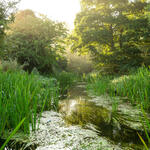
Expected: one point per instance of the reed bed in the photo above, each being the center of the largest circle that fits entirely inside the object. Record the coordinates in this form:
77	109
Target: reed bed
25	96
135	86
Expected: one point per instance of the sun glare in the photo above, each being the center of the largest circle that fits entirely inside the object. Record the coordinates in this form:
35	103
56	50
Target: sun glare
60	10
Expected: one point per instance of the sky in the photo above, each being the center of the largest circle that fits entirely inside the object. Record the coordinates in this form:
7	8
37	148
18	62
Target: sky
58	10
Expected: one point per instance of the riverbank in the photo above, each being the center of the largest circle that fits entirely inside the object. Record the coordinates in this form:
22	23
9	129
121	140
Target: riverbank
55	134
85	125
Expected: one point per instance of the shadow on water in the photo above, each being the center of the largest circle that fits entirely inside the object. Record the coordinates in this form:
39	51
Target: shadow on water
78	110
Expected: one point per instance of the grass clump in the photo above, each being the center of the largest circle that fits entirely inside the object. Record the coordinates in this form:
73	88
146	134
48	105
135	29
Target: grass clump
66	80
135	86
24	96
98	84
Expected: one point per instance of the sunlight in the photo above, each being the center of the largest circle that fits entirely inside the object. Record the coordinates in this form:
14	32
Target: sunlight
61	10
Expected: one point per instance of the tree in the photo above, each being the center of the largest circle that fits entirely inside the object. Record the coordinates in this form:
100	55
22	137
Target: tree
112	32
7	10
36	41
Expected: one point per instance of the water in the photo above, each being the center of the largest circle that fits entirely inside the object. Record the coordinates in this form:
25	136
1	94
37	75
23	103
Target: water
120	127
78	109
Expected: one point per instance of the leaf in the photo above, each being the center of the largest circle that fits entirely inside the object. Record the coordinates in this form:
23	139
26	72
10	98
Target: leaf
143	141
11	135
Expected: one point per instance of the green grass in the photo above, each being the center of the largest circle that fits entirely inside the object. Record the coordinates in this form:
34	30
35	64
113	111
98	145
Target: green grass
146	127
11	135
24	96
66	80
98	84
135	86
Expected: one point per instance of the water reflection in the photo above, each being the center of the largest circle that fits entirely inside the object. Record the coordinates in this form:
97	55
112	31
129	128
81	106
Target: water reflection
78	110
82	111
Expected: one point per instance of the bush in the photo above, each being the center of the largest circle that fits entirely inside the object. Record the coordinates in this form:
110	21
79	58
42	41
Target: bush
10	65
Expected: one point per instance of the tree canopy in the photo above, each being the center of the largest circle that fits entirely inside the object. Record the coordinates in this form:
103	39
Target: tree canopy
36	41
7	10
114	32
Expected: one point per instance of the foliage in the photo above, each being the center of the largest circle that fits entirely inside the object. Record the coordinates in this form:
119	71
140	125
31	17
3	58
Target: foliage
66	80
11	135
78	64
23	96
36	41
10	65
7	10
114	32
134	86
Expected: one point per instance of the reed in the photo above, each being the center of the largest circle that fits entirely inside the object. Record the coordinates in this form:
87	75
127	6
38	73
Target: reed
135	86
11	135
97	84
66	80
24	96
146	126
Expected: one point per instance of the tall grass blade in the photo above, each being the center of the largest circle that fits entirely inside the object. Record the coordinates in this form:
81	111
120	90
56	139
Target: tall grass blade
11	135
143	141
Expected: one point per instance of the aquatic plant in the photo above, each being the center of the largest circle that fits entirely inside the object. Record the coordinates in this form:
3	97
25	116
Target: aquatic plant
66	80
146	126
134	86
24	96
98	84
11	135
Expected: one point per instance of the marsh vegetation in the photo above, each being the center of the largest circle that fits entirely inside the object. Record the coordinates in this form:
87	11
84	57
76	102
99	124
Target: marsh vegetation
95	79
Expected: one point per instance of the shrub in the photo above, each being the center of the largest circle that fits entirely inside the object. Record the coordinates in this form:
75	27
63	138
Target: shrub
10	65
